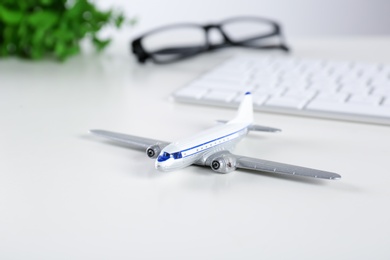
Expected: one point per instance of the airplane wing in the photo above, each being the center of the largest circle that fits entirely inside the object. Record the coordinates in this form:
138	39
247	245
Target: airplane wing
281	168
136	142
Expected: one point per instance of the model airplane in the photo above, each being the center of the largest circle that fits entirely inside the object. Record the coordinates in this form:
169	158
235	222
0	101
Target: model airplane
212	148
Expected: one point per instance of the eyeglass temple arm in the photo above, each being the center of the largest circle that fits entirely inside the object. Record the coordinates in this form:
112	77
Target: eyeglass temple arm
138	50
276	32
181	50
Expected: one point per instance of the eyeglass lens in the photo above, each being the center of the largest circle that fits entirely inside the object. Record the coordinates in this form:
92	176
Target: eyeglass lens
172	42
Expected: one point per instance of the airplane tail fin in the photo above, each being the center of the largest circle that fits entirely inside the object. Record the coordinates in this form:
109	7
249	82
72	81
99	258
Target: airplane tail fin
245	110
245	115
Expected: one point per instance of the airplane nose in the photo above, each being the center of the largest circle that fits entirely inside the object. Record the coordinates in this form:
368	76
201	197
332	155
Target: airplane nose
159	166
162	167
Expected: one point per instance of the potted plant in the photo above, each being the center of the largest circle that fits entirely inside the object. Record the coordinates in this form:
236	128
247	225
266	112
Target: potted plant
36	29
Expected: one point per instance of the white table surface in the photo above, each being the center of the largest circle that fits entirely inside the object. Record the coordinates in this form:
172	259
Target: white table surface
67	195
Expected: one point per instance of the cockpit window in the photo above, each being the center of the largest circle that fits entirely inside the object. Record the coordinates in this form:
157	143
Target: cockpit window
165	156
177	155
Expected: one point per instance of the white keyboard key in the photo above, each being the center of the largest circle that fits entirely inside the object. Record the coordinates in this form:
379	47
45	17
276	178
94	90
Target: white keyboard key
275	91
380	82
259	99
347	76
327	86
349	108
383	85
300	87
356	82
293	76
297	93
386	102
294	81
361	90
340	65
222	85
332	97
366	78
265	82
287	102
381	91
365	99
323	80
370	67
222	96
320	76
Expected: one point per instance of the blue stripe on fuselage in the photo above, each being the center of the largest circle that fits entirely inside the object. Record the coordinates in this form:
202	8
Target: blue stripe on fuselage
210	142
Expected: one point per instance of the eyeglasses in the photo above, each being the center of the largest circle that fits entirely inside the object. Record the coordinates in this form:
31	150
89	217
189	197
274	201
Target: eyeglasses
176	42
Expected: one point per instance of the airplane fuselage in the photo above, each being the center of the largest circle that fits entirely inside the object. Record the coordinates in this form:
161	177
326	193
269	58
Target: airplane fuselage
197	148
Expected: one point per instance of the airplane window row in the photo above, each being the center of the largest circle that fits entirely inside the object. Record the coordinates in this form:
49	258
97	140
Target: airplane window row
211	144
165	156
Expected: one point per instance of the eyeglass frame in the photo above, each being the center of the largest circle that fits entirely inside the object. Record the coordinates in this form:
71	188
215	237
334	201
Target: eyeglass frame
143	55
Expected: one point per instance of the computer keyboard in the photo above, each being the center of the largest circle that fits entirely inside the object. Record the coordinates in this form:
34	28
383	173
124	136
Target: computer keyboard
353	91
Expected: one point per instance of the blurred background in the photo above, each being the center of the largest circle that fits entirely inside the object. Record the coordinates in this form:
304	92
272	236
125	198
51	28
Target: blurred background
300	18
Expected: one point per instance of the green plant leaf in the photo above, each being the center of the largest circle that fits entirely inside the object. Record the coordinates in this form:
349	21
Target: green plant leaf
46	2
37	37
37	53
60	50
39	28
10	16
43	19
119	20
100	44
75	11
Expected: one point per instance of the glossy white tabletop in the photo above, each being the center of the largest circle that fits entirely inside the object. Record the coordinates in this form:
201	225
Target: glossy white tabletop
67	195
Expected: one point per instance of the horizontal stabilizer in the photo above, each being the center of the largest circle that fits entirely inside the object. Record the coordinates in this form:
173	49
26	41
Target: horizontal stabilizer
263	128
253	127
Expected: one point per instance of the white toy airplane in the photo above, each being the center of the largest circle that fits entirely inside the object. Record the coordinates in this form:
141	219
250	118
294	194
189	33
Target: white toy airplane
212	148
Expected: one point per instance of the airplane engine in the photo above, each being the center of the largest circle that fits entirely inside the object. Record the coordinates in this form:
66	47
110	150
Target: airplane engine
223	164
153	151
